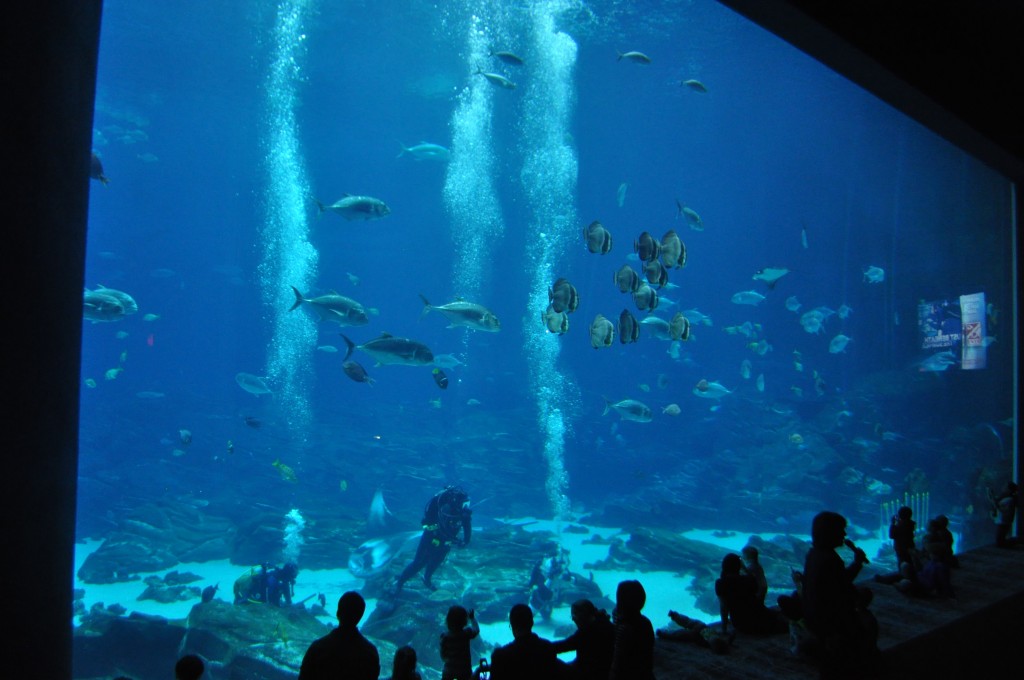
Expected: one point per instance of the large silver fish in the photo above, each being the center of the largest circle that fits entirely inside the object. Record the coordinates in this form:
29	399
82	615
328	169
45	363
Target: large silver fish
425	151
377	520
356	208
496	79
629	409
126	300
253	384
98	306
388	349
468	314
333	307
372	556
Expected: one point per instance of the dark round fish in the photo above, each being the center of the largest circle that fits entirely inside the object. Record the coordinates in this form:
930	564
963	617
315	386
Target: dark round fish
599	239
629	329
254	423
673	250
679	327
647	247
627	279
656	273
440	378
356	372
563	296
602	332
646	298
209	592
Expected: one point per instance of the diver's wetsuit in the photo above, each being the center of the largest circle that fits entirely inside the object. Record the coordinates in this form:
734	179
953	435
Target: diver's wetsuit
444	516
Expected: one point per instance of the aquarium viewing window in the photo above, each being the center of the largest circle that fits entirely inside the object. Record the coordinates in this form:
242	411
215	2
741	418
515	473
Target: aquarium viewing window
644	284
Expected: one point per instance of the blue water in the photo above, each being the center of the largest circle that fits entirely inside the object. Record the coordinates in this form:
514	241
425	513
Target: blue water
218	122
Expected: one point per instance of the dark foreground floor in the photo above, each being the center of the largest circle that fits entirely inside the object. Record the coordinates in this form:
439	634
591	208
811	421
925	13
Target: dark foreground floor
980	632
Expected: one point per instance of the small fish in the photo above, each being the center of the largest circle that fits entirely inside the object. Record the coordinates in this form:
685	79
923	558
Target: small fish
844	311
496	80
554	321
635	57
150	317
803	237
90	383
602	332
673	250
508	58
647	247
231	447
629	409
149	394
745	367
710	390
672	410
657	327
356	208
343	485
690	215
644	387
626	279
287	474
747	297
356	372
440	379
620	195
185	437
329	349
597	238
629	329
874	274
662	381
838	344
656	273
424	151
792	304
695	316
252	384
96	169
121	335
679	327
563	296
352	278
771	275
447	361
759	383
646	298
112	373
473	402
254	423
695	85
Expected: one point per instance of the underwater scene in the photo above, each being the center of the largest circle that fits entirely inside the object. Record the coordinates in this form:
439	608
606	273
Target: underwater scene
644	283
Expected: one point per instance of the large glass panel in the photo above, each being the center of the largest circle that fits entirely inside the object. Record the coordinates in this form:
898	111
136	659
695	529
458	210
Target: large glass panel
289	182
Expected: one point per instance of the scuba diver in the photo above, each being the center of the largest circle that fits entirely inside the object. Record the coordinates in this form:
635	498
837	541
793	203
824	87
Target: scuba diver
265	585
445	515
546	580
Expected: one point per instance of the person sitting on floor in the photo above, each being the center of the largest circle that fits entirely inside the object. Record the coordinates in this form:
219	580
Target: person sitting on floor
738	602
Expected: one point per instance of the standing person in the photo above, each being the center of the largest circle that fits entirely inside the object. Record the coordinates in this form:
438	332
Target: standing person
901	531
834	609
445	516
343	652
528	656
462	628
404	665
633	658
1004	508
593	641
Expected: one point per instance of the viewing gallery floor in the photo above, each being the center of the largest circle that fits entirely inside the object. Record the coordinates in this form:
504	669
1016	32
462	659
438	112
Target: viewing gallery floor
979	631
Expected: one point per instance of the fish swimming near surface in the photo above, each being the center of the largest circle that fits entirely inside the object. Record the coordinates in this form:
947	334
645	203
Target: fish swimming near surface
597	238
425	151
747	297
626	279
874	274
629	409
377	518
356	372
695	85
710	390
563	296
496	79
389	350
645	298
629	329
334	307
647	247
554	321
602	332
253	384
356	208
771	275
467	314
509	58
374	555
635	57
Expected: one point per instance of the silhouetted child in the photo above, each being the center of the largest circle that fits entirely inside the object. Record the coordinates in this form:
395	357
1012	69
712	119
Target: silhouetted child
404	665
901	531
633	658
739	604
189	667
1004	508
462	628
752	565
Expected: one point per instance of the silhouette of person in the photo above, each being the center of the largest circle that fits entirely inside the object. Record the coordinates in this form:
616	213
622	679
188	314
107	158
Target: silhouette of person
593	641
404	665
343	652
738	601
528	656
1004	508
269	585
189	667
834	609
444	517
752	565
633	658
901	531
462	628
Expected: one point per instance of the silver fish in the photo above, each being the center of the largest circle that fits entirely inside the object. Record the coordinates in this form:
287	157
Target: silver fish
356	208
373	556
635	57
253	384
333	307
602	332
468	314
555	321
629	409
100	307
425	151
377	520
496	80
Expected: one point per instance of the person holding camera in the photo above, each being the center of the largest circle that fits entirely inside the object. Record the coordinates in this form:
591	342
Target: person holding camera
462	628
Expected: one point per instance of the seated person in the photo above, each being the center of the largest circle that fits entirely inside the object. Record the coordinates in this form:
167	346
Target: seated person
593	641
932	576
738	602
752	566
